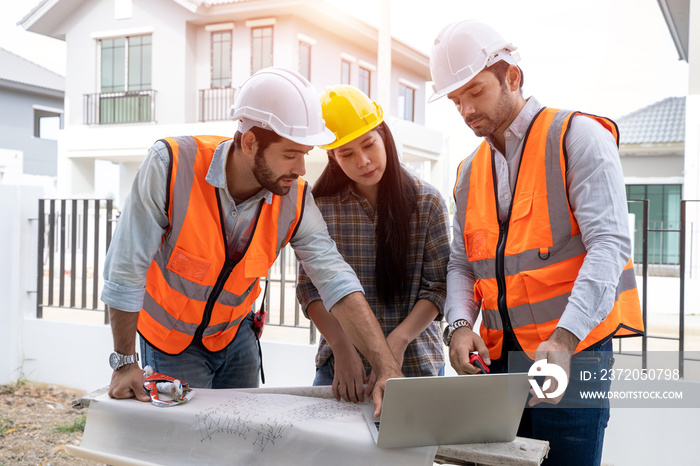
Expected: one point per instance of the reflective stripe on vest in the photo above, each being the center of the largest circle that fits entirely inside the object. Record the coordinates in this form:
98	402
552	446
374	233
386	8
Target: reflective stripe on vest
193	288
543	250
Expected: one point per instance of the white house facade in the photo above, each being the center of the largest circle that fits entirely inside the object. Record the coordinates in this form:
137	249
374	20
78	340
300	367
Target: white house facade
141	70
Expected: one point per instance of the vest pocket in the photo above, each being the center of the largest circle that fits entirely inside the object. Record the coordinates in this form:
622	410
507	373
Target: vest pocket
475	242
522	205
189	266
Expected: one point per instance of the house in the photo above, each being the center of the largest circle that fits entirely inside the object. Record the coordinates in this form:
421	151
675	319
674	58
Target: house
32	114
141	70
652	145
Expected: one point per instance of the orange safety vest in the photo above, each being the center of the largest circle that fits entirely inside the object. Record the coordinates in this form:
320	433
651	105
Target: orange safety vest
193	288
525	267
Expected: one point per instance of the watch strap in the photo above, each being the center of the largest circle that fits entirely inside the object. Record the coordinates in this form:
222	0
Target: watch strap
450	329
130	359
125	359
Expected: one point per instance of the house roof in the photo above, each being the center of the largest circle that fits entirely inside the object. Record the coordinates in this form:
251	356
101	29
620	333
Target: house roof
19	70
662	122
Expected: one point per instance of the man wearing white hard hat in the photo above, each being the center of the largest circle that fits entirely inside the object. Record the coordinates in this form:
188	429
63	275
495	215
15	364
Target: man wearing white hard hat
205	219
541	245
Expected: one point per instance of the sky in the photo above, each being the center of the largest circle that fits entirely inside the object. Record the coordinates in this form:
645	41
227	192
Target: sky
606	57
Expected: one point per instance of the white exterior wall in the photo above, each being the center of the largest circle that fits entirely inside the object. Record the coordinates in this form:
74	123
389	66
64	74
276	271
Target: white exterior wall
18	206
691	185
76	355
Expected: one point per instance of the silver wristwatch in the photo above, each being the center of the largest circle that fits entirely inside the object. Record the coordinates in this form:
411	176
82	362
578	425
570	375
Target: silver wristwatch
117	360
450	330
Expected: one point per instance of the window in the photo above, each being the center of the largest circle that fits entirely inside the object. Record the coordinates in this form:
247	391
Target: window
126	64
345	67
664	217
365	77
46	124
406	102
261	52
305	59
125	79
221	59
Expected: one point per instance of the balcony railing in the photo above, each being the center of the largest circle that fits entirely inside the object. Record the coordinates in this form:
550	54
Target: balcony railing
119	107
214	103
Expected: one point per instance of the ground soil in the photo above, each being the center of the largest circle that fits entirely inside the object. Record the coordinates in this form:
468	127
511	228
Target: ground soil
37	422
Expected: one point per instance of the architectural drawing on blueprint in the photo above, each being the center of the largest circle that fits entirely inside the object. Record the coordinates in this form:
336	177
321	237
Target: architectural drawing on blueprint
263	419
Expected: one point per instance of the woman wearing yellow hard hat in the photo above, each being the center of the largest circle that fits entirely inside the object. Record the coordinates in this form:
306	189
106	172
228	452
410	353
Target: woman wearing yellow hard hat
392	228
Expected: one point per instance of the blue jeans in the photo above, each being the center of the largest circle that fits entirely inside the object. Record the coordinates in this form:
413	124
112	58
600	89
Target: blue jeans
324	376
235	366
575	428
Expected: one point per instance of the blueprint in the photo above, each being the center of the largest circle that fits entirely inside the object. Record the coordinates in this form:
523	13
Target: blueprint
256	427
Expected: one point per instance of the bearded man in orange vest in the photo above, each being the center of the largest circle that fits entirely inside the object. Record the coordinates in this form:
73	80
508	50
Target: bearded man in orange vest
205	219
541	241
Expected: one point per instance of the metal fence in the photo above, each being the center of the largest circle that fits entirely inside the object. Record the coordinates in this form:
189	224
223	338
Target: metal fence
682	252
215	103
119	107
74	235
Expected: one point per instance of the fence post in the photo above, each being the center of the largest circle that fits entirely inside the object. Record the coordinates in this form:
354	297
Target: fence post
681	319
40	262
108	241
645	274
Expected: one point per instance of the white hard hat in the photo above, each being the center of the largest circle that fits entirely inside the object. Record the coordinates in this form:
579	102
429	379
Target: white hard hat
283	101
461	51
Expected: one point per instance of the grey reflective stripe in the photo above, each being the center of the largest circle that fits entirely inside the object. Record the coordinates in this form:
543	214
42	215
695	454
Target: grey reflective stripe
288	213
222	327
184	179
547	310
524	314
557	199
461	192
627	281
491	319
164	318
530	259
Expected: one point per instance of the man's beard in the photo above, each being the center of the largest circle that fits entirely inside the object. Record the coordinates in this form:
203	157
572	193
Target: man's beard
501	111
266	178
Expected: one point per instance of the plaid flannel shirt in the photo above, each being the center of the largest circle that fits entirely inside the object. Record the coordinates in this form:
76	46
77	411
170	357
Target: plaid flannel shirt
352	224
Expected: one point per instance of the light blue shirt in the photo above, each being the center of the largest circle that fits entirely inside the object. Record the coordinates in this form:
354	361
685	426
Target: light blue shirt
597	197
143	221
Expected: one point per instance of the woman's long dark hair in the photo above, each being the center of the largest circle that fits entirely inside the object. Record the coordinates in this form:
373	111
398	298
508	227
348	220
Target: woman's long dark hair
396	199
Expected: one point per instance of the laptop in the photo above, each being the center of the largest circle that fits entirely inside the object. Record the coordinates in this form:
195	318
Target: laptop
446	410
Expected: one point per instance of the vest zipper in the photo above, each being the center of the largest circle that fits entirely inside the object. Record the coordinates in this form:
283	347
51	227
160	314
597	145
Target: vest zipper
226	270
501	274
216	291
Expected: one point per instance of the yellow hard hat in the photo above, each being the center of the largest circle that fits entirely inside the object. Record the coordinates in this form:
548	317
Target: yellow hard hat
348	113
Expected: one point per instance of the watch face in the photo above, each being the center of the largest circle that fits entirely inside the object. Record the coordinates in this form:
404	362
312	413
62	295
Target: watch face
114	360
